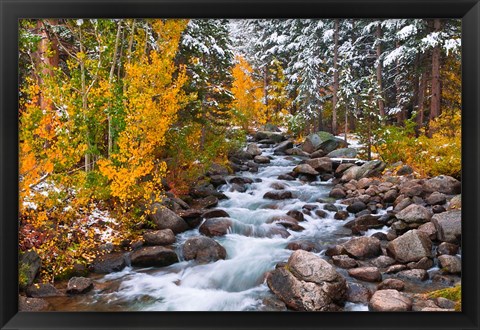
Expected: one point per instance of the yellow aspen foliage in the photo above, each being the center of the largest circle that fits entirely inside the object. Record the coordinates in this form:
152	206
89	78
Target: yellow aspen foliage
153	96
248	106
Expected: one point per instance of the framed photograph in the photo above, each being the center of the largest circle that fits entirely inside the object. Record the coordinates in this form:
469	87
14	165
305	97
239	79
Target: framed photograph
239	164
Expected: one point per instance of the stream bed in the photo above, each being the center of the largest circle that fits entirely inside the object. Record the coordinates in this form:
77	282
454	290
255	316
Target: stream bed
238	282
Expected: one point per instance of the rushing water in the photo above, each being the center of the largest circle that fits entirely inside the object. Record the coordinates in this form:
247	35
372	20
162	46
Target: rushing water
234	284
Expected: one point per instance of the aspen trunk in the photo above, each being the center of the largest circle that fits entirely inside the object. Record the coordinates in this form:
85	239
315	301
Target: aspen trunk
335	79
436	93
421	99
381	104
110	79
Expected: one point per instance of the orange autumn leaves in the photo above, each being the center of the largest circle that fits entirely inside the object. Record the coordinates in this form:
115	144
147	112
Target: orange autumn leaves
248	106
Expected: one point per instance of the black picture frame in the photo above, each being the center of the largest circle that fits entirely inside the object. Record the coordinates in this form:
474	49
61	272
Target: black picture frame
12	10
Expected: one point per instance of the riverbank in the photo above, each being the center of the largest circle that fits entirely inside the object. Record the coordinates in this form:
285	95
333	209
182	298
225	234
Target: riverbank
364	238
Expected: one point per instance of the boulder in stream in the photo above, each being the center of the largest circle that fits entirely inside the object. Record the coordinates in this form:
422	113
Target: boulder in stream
163	218
411	246
203	249
153	256
389	301
308	283
216	226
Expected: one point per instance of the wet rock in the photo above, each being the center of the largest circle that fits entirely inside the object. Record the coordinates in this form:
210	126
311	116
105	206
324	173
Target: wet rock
364	222
391	283
380	235
310	207
395	269
322	165
309	284
261	160
429	229
217	169
204	203
278	195
362	247
274	136
411	189
238	187
334	250
33	304
159	237
389	301
109	263
342	168
367	274
301	245
321	214
204	190
422	304
193	217
287	222
383	261
278	186
330	207
343	153
390	196
296	152
217	180
253	150
414	214
344	261
164	218
358	293
448	225
286	177
297	215
356	207
252	166
352	173
216	226
411	246
424	263
318	154
28	267
337	193
444	279
447	248
305	169
414	274
450	264
341	215
203	250
153	256
436	198
78	285
282	147
402	204
438	209
240	180
443	184
273	304
216	213
41	290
